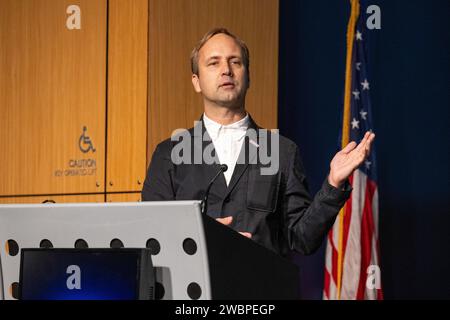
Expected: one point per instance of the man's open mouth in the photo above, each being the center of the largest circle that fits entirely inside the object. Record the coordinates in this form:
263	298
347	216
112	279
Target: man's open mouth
227	85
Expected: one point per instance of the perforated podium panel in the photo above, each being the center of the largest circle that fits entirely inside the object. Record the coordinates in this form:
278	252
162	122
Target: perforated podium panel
195	257
173	230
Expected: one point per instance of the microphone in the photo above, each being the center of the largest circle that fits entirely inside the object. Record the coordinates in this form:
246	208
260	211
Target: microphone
204	203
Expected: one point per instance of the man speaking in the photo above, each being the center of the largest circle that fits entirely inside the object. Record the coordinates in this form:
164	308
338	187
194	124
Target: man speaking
248	178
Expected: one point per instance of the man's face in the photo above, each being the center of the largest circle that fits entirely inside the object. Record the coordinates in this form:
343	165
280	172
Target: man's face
222	77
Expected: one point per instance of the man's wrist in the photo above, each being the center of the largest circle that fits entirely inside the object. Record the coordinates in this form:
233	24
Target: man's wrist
334	183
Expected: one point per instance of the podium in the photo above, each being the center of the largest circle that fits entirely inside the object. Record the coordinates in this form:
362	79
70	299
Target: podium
194	256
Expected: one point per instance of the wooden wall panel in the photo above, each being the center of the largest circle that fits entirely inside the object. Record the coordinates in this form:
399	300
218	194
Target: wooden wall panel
52	84
175	27
123	197
56	199
127	95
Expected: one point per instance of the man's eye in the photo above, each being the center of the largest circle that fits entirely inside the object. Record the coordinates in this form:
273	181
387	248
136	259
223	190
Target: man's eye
213	63
236	62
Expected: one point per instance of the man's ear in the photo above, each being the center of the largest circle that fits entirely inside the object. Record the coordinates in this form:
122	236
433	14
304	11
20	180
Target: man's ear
196	83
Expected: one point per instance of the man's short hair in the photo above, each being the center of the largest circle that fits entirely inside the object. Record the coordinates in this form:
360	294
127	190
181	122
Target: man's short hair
244	49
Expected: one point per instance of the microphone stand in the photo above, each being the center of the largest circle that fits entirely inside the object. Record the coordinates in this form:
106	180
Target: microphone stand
204	203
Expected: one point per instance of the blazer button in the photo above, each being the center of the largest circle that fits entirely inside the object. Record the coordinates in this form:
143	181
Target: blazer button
226	200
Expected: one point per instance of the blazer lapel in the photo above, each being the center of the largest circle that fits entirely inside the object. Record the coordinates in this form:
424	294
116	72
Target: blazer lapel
247	155
201	141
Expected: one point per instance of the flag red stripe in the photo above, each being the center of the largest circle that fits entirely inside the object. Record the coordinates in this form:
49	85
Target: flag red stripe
327	284
347	219
367	230
334	263
334	256
380	295
329	268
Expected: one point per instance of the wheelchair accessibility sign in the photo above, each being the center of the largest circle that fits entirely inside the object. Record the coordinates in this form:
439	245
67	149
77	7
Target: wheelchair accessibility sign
80	166
85	143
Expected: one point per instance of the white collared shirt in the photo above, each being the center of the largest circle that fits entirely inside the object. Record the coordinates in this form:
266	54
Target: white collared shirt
227	141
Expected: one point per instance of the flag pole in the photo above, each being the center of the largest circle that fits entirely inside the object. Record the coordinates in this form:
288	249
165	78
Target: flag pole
346	124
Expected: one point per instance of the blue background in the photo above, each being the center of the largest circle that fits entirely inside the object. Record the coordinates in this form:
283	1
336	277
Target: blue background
409	70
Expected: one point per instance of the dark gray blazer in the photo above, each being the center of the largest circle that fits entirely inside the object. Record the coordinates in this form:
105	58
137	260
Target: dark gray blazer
276	209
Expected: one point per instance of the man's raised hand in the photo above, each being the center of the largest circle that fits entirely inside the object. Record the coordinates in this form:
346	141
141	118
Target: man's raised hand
348	159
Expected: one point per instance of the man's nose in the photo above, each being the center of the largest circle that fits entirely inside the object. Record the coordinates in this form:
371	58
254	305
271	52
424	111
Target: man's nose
226	69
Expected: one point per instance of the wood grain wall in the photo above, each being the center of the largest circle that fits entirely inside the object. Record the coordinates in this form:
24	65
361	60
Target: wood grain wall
52	84
127	95
124	76
175	28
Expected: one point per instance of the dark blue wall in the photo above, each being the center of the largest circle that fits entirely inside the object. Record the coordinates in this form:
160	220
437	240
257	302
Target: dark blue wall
409	65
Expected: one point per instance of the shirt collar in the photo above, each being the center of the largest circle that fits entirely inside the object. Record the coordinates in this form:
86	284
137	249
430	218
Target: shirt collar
214	128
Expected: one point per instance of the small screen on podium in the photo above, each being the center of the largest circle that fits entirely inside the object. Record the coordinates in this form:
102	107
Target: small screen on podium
86	274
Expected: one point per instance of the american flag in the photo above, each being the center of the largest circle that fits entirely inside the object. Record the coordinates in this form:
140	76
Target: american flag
352	255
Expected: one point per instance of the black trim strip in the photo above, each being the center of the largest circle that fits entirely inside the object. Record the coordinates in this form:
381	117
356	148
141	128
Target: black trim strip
66	194
106	99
